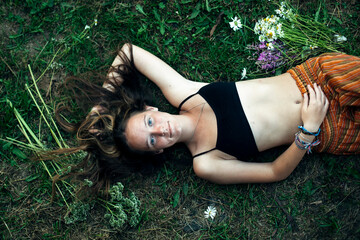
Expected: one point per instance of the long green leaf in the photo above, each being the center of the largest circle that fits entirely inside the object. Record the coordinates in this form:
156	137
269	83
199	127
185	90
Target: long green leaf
61	142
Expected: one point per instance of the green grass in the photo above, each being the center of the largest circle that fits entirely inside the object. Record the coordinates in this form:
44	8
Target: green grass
320	200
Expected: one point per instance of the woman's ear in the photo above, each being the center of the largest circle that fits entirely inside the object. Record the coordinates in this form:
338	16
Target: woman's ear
151	108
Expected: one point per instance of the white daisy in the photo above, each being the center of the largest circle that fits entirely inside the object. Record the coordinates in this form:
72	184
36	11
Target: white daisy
243	74
270	46
261	38
210	212
271	35
235	24
339	38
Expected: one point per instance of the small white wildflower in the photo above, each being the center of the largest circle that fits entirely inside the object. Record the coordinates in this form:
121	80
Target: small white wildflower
88	37
55	65
257	28
279	30
311	47
273	19
281	33
282	12
235	24
270	35
243	74
210	212
339	38
289	14
342	39
270	46
279	12
95	22
261	38
87	27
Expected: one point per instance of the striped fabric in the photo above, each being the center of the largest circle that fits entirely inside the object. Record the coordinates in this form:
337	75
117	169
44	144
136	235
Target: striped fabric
339	77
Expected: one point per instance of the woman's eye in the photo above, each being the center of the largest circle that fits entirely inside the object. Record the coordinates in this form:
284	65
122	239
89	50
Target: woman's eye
150	122
152	140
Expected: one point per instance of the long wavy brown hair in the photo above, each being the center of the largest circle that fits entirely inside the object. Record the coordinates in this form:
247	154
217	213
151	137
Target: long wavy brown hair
101	133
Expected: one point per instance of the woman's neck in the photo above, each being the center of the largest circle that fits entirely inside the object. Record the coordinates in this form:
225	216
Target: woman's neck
189	121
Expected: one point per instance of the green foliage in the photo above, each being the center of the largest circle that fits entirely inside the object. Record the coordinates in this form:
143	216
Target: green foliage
78	212
120	209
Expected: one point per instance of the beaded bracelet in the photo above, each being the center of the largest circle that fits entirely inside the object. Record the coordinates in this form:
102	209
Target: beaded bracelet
304	131
303	145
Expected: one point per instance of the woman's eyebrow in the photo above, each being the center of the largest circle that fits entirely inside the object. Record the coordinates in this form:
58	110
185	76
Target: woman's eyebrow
146	139
145	120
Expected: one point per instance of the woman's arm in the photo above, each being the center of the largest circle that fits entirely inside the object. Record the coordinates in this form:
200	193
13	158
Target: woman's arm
234	171
174	86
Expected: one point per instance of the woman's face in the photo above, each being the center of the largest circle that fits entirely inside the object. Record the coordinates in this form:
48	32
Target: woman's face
152	131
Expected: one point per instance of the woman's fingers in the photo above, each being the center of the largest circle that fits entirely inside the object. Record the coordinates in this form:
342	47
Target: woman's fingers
306	100
97	109
318	100
316	95
312	94
322	96
317	92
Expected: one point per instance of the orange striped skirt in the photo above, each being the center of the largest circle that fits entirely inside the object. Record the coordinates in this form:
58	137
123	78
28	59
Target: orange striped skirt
339	77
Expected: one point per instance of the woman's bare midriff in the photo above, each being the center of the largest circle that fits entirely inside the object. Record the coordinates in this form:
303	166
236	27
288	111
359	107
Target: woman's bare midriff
273	109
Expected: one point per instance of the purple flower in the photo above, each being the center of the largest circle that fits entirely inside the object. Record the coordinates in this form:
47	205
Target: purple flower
262	45
261	57
268	59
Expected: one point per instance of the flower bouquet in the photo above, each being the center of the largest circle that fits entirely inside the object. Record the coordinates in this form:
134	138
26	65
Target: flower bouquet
287	38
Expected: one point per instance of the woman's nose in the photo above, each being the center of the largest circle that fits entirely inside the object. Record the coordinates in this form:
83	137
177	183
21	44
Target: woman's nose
159	130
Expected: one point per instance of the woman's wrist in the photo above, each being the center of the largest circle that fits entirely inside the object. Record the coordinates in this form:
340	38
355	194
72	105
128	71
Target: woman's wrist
309	130
305	141
305	137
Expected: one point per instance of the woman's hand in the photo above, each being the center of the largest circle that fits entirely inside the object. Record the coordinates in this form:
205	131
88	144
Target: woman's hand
314	108
97	109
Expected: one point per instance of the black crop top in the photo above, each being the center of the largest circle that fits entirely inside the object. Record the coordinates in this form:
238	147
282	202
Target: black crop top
234	133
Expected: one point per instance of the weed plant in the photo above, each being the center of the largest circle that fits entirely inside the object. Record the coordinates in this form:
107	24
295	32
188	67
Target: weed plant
42	42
